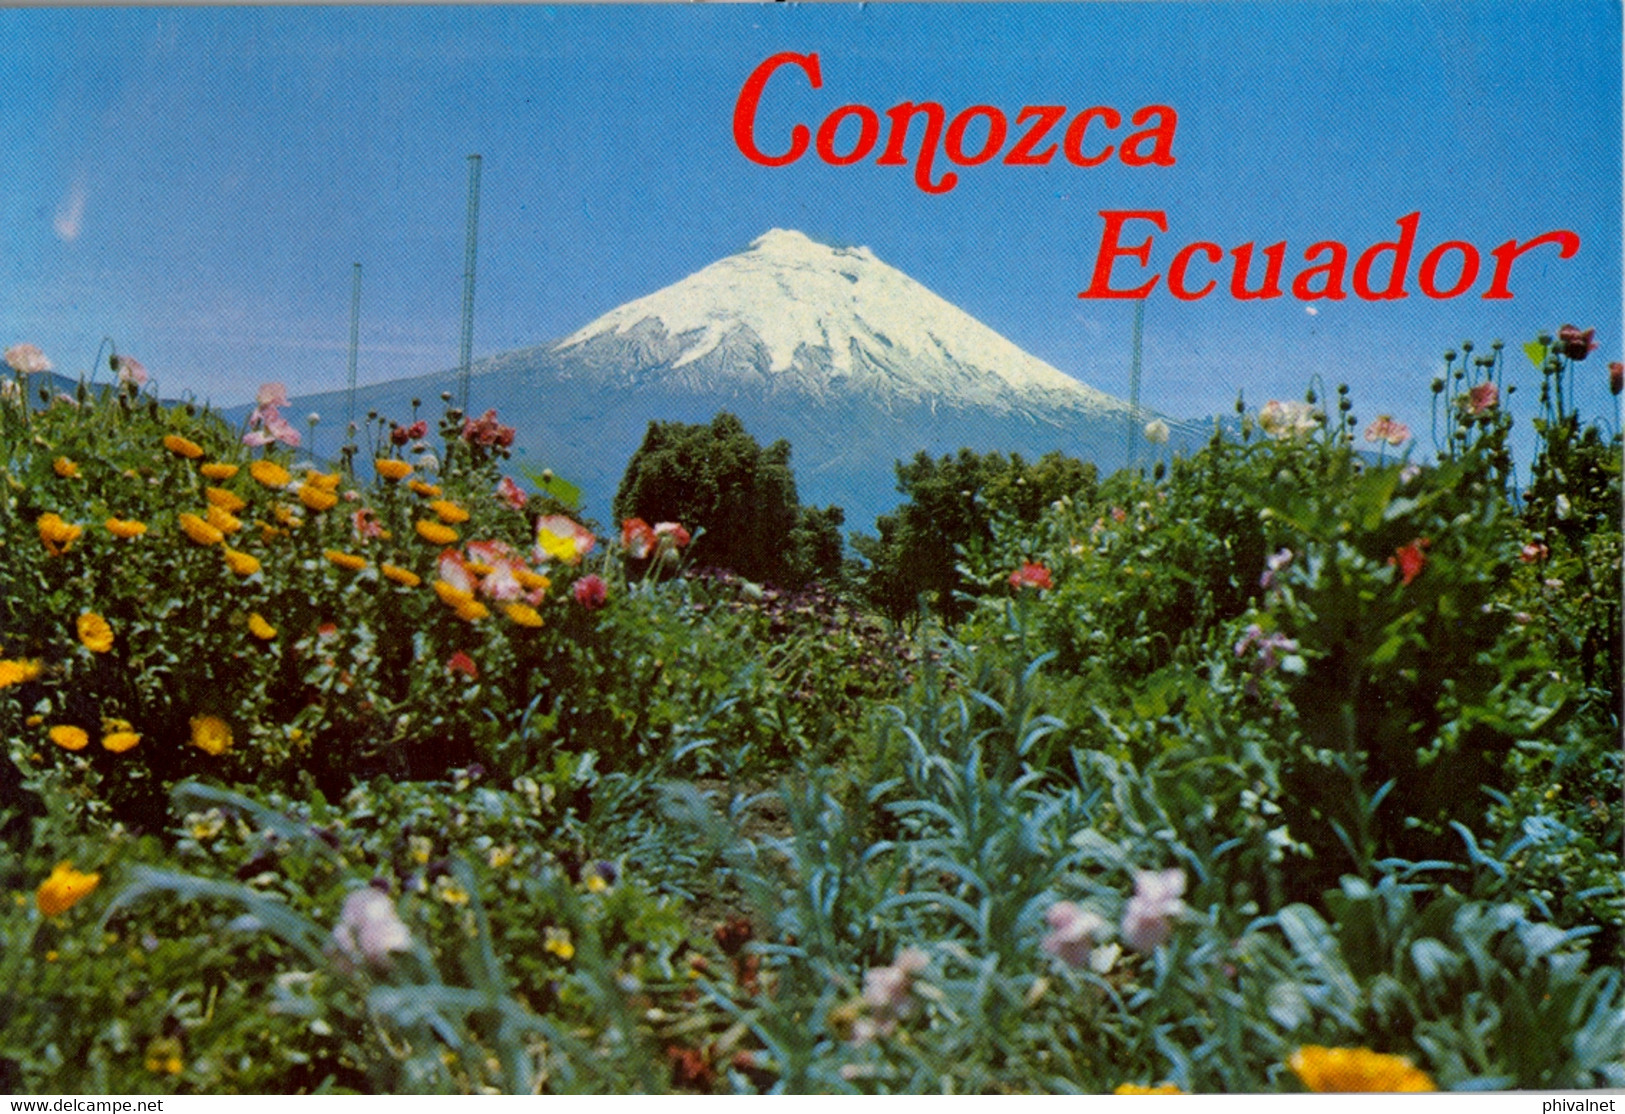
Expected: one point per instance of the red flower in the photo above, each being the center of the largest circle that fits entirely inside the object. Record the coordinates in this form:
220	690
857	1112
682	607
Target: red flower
591	592
1534	552
462	663
512	494
1575	343
671	534
1031	576
1483	397
637	538
1616	377
1410	559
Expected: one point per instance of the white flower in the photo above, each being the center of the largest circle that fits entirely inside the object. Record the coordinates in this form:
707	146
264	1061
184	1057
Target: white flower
1148	918
1156	431
130	372
369	930
1284	420
27	359
1073	932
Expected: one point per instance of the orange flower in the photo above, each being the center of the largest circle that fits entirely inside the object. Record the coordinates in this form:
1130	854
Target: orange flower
317	498
180	446
95	633
449	513
452	595
199	531
524	614
400	575
65	468
345	560
269	473
471	611
19	672
224	521
259	628
531	581
428	491
328	481
56	534
1357	1070
436	533
286	516
120	741
211	734
392	470
65	888
228	501
68	737
125	527
218	470
243	564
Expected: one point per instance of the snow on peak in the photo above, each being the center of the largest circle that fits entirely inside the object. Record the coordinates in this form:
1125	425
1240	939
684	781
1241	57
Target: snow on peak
790	291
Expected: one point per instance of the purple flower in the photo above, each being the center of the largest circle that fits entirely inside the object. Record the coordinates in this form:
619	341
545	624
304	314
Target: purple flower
1148	919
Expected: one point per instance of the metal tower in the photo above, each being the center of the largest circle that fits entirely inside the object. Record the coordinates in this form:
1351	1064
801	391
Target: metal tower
467	348
355	332
1134	384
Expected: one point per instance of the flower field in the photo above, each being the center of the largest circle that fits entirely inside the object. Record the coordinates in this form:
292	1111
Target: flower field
1293	764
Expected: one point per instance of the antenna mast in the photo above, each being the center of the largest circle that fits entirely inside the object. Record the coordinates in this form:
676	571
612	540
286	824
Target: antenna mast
355	332
1134	384
467	348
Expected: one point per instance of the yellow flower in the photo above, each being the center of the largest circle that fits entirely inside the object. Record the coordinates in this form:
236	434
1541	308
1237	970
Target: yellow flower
428	491
471	611
68	737
393	470
18	672
180	446
1338	1070
243	564
164	1056
125	527
323	481
499	857
218	470
557	941
269	474
1137	1089
286	516
435	532
532	581
345	560
56	534
222	520
211	734
450	892
120	741
228	501
524	614
452	595
259	628
199	531
449	513
95	633
317	498
65	888
401	576
64	467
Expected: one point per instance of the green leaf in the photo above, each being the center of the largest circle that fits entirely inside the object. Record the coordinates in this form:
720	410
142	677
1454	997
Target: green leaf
1536	352
561	489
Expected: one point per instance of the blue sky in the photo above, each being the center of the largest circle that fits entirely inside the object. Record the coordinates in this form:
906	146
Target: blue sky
197	183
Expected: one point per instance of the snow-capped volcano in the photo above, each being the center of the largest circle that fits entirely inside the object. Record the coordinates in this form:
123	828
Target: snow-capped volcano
793	314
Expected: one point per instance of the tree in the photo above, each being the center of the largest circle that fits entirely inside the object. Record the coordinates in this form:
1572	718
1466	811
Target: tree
952	504
719	479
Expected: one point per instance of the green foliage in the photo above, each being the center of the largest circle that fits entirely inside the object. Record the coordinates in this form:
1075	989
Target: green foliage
717	479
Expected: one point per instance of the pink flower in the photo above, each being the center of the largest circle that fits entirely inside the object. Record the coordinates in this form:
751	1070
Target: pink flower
455	571
369	930
888	990
460	662
1073	932
671	534
486	432
1386	429
1265	646
501	584
1483	397
27	359
130	371
1030	576
1534	552
490	551
561	538
271	396
512	494
1575	343
366	524
591	592
1273	565
1410	559
1148	919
